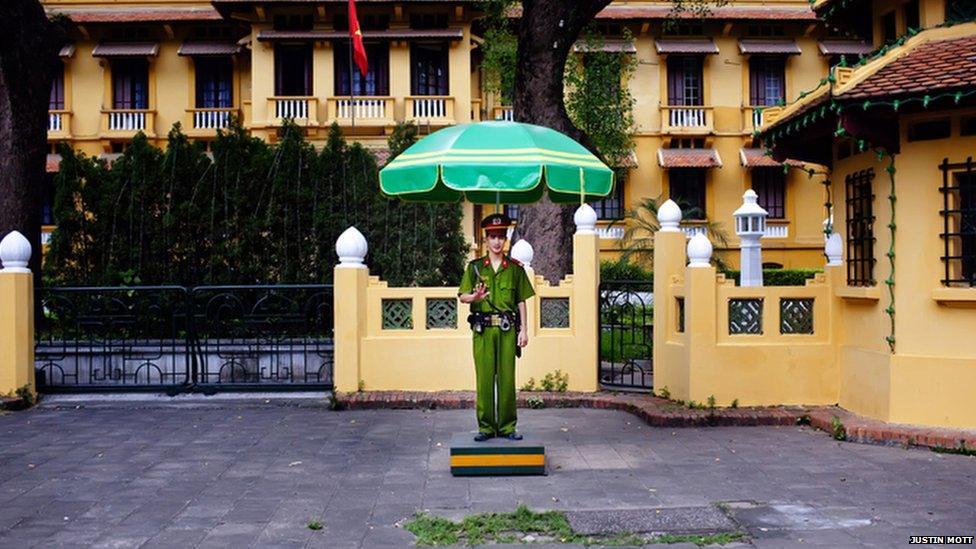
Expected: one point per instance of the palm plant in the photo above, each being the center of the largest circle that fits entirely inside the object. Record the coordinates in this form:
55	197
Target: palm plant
641	224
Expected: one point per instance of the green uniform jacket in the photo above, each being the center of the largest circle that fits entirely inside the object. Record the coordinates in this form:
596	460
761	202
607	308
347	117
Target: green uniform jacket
506	288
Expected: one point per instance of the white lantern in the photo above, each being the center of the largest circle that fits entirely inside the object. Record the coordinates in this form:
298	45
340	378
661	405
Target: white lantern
750	225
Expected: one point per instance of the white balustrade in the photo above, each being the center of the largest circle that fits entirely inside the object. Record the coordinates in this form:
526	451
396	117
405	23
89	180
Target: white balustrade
211	120
291	108
432	107
126	121
757	118
362	108
692	231
54	122
776	231
686	117
610	232
506	113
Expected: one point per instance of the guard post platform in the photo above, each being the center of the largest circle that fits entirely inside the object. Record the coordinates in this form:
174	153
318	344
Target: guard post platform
497	456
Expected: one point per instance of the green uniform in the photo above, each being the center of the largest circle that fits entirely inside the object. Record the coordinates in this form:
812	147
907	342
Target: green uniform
494	349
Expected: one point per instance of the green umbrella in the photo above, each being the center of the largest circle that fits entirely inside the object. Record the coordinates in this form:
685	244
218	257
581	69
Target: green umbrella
492	162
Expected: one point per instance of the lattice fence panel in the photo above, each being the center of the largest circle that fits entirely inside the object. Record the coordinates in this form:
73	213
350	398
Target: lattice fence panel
796	316
441	313
397	314
745	316
554	312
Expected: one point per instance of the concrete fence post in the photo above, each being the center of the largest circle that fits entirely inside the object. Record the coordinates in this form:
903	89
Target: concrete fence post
350	278
586	288
669	261
17	319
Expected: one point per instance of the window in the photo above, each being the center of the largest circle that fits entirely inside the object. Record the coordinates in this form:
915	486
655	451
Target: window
767	81
770	185
214	82
889	29
959	218
428	75
428	20
929	129
293	22
960	10
860	228
130	83
56	103
293	70
377	81
967	126
612	207
911	14
687	188
685	80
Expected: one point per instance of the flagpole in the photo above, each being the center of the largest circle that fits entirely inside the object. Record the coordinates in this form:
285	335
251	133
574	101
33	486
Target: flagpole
352	97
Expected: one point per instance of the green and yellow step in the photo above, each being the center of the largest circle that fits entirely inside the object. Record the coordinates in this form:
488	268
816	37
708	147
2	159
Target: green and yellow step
496	456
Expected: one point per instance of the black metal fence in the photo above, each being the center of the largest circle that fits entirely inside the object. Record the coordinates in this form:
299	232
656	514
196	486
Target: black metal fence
174	339
626	334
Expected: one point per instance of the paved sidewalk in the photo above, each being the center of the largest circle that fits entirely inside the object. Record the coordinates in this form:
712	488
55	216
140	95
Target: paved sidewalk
251	475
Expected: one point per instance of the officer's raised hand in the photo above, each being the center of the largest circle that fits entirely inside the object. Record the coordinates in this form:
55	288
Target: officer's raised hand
480	292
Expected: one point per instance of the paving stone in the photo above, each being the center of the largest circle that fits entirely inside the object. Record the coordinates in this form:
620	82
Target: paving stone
670	520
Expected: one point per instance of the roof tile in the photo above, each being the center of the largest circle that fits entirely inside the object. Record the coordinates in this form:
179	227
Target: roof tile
931	67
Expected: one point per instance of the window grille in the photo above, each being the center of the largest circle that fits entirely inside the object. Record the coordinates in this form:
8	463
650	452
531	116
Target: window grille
770	185
959	223
860	228
612	207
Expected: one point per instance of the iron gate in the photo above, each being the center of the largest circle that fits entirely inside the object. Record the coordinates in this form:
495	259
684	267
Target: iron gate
177	339
626	334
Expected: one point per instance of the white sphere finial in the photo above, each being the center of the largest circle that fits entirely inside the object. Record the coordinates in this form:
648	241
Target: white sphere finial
669	216
522	251
699	251
351	247
585	219
15	253
834	249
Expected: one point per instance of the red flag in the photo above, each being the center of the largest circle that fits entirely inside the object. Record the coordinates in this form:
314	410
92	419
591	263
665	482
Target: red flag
356	38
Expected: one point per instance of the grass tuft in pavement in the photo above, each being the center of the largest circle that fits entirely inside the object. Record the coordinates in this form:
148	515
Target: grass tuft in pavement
527	526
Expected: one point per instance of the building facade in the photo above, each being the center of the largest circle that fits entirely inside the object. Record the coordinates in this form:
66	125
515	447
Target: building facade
700	89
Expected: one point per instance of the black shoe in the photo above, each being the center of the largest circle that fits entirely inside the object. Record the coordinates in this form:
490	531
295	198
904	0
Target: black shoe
481	437
513	436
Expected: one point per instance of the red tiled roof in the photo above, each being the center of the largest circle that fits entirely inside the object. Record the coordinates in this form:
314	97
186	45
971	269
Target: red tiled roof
389	34
931	67
382	156
53	163
757	158
126	49
688	158
208	48
684	45
720	12
777	47
139	15
844	47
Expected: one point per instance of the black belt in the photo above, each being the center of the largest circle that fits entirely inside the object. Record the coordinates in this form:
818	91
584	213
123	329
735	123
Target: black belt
504	320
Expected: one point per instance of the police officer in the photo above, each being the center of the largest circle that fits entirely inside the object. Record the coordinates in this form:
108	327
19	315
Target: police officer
496	287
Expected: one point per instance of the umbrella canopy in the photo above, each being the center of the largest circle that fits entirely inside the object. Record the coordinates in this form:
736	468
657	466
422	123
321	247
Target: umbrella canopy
492	162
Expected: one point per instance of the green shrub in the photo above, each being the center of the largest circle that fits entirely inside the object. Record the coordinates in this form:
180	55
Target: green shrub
623	269
778	277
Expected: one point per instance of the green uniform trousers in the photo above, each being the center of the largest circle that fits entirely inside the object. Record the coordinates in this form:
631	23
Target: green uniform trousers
494	362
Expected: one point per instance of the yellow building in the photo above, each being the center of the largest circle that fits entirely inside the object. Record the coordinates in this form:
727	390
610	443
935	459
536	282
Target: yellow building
145	65
899	133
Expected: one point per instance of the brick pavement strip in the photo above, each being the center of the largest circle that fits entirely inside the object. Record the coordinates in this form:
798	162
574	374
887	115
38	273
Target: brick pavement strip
243	475
659	412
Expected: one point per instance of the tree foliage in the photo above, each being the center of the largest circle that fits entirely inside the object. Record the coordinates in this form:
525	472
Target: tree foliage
251	213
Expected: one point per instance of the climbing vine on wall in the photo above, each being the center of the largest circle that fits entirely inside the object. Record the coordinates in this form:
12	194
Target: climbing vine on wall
250	213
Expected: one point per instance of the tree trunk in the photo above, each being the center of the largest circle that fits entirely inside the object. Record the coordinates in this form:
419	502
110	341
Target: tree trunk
547	31
29	45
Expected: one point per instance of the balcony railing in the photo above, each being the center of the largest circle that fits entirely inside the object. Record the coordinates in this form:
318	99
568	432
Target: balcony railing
128	121
431	108
58	121
302	109
503	113
476	110
366	111
211	119
686	119
776	229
